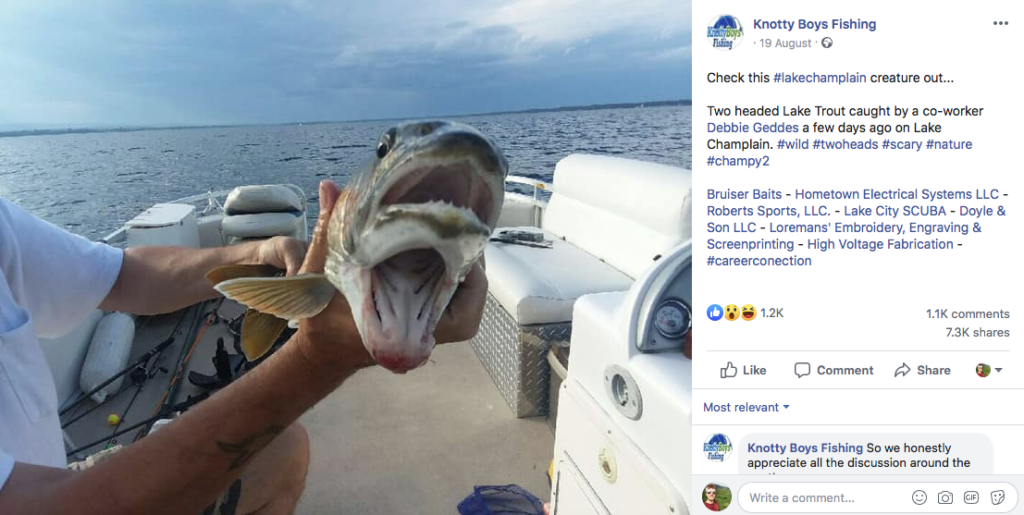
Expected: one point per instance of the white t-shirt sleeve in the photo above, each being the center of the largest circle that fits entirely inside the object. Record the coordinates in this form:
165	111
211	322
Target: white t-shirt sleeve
59	277
6	467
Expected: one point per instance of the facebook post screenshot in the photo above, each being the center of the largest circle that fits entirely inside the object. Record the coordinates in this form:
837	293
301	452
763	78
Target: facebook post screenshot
857	186
340	257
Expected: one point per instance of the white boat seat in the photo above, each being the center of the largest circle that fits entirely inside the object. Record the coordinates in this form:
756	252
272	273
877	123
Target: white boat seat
540	286
264	198
609	220
264	211
261	225
626	212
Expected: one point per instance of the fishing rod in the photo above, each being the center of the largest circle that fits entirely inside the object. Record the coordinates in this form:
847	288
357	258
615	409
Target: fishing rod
139	362
181	406
195	334
139	377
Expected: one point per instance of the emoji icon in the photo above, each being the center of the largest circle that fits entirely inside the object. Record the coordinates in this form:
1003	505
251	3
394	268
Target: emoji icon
919	497
732	312
715	312
749	312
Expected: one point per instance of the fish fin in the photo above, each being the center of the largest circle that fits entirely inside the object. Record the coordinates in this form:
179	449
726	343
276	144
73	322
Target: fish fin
227	272
298	296
259	332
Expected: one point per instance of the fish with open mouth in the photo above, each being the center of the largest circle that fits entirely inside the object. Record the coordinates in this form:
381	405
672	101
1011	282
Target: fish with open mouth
405	232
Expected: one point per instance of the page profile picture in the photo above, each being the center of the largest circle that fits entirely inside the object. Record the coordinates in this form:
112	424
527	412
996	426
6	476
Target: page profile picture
717	447
982	370
716	497
725	32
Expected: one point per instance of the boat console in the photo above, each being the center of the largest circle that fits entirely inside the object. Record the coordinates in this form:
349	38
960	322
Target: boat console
624	409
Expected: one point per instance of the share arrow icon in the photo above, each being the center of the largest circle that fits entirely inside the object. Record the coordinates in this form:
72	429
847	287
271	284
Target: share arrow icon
903	370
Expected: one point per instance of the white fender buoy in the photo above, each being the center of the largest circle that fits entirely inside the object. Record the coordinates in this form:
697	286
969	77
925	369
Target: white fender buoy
108	353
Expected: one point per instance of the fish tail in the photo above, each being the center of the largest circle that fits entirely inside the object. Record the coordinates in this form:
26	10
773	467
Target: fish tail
259	332
288	298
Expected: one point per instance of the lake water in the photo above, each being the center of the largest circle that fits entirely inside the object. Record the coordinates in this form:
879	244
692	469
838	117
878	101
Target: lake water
92	183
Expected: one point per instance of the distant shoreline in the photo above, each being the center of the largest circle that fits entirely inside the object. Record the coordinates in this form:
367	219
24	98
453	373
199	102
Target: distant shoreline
90	130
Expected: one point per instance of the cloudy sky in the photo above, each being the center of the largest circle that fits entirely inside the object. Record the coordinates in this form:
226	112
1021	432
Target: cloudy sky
268	61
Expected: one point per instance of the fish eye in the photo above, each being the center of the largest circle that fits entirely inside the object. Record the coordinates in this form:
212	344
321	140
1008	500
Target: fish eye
382	149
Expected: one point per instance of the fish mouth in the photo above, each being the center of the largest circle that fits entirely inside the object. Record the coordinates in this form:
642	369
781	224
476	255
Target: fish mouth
407	294
457	184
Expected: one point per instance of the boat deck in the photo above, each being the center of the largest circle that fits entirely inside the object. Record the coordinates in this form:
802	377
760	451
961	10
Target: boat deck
382	443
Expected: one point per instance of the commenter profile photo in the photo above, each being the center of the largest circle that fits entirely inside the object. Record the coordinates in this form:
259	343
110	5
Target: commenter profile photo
983	370
716	497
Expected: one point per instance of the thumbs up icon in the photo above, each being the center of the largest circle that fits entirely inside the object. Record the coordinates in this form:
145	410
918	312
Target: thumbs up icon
728	371
715	312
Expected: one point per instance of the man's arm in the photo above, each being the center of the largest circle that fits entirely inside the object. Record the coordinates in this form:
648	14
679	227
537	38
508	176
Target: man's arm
156	280
183	467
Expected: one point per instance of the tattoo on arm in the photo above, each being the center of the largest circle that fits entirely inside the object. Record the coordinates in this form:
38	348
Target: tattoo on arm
243	450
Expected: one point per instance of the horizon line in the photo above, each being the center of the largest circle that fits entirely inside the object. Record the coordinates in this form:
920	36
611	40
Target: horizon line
134	128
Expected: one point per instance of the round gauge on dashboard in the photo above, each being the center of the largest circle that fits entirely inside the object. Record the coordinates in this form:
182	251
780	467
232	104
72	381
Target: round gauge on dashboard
672	319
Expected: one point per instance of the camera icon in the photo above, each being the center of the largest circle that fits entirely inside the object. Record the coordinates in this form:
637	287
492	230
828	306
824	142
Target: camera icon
945	497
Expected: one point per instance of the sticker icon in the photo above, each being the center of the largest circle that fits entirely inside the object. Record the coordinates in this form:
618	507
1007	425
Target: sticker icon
998	497
715	312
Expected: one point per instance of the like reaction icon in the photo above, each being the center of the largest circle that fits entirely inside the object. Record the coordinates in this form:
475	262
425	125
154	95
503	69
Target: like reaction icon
728	371
715	312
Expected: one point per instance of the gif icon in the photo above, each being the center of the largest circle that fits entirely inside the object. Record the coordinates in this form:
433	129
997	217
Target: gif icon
971	497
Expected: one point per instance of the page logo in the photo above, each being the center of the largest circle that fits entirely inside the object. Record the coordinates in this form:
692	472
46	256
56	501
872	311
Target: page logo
717	447
725	32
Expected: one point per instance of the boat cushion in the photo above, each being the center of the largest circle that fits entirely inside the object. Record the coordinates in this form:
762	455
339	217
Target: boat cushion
264	198
262	225
540	286
623	211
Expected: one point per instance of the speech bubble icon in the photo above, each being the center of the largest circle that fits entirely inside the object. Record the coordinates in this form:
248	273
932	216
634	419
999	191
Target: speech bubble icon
802	369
